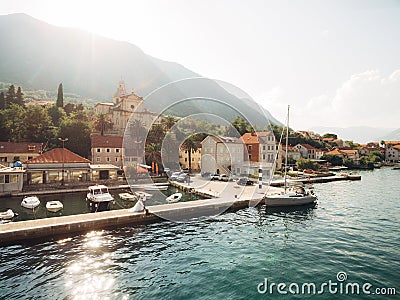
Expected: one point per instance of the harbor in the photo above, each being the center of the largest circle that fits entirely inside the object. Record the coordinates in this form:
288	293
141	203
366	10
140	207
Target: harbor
221	197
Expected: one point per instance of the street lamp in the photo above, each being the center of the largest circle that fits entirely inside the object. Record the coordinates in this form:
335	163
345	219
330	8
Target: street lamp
63	141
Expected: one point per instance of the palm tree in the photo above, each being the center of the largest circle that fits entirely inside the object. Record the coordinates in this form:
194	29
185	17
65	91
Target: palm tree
102	123
190	145
153	153
168	122
156	134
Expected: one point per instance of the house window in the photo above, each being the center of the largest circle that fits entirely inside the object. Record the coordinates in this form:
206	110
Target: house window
98	150
6	178
249	156
264	147
108	159
98	159
3	159
116	159
117	150
250	147
108	150
185	159
264	156
31	147
30	157
1	178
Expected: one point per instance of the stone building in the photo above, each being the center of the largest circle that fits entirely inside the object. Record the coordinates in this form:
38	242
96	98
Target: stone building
120	110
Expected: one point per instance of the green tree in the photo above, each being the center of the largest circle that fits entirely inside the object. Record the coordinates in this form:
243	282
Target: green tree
60	96
156	134
102	123
190	144
303	164
2	101
330	135
37	124
10	97
19	97
77	129
168	122
153	153
241	125
15	127
334	160
57	114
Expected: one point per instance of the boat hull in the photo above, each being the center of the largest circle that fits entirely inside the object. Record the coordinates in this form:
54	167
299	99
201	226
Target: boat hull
30	202
279	200
95	206
54	206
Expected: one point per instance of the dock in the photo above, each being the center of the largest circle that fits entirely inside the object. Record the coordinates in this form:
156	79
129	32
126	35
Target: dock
222	197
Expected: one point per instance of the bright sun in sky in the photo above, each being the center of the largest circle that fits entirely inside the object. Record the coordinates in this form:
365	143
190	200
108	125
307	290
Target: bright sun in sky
333	61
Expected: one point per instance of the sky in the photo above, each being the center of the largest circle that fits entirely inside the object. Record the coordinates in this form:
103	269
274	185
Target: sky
337	63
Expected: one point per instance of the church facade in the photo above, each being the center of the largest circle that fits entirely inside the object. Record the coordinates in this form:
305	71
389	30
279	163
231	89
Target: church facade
119	111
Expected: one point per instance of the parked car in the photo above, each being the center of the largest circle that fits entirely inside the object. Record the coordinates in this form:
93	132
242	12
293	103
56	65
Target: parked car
214	177
223	177
186	170
174	176
182	178
245	181
232	178
205	174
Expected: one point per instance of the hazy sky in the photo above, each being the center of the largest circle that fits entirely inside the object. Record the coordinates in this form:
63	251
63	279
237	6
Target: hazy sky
336	62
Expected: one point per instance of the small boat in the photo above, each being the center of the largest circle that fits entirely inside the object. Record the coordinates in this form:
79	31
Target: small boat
174	198
155	188
127	196
143	194
54	206
98	198
7	215
30	202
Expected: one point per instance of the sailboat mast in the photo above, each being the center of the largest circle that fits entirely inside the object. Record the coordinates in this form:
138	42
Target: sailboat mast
287	144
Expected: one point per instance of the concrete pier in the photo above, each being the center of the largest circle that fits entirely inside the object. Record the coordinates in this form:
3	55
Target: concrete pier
224	196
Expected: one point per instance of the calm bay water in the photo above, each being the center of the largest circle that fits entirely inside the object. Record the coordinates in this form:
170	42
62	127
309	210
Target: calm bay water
354	229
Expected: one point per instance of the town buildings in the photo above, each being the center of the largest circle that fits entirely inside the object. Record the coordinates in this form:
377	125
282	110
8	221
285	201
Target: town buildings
195	156
106	149
222	155
22	151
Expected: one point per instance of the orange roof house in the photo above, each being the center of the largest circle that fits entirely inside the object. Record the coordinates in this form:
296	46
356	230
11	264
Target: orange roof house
58	155
57	164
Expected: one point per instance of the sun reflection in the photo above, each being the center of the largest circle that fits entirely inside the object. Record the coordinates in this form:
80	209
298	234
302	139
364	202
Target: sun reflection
87	276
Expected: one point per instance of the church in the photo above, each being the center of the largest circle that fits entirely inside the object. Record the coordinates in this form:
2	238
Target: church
120	110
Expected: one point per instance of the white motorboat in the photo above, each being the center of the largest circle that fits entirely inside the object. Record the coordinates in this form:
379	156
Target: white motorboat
54	206
174	198
293	197
99	198
30	202
155	187
127	196
143	194
7	215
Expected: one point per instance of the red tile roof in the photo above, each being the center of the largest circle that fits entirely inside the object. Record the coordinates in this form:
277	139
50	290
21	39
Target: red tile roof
106	141
309	147
56	156
22	147
252	138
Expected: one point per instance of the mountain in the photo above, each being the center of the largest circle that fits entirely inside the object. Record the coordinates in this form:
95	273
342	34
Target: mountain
361	134
392	136
38	55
